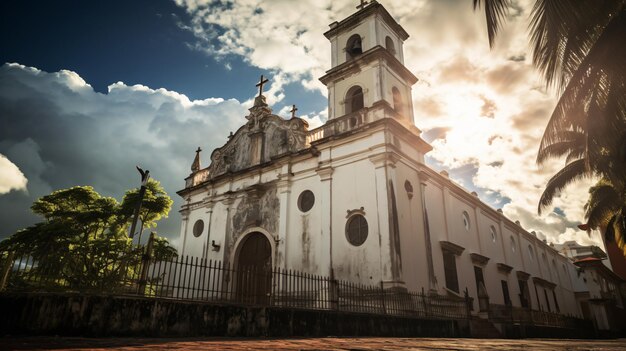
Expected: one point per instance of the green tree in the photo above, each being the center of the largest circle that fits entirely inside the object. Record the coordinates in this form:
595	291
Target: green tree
82	241
156	204
578	46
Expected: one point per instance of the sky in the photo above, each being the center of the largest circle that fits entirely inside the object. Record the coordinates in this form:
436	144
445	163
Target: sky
90	89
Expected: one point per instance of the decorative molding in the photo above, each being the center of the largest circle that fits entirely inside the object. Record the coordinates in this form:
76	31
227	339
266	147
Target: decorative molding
522	275
384	159
325	173
479	259
451	247
360	211
184	213
423	177
505	268
544	283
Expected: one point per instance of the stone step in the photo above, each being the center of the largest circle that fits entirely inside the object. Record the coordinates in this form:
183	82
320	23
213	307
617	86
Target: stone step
482	328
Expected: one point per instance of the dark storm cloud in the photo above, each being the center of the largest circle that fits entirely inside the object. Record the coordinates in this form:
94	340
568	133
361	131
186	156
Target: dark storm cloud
61	133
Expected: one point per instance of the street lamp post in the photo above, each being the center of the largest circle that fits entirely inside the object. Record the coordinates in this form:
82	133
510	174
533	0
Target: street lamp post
145	175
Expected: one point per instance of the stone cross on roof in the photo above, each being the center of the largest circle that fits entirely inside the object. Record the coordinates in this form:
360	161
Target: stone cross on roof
261	83
195	166
293	111
362	5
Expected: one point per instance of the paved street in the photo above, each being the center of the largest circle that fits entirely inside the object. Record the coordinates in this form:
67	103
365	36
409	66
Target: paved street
51	343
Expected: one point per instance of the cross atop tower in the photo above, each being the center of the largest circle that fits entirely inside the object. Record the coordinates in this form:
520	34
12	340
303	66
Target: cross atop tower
260	84
363	4
293	111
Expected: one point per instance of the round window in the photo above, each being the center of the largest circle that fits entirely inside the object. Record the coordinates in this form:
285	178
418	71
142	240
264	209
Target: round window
198	227
494	235
466	221
512	244
356	230
306	200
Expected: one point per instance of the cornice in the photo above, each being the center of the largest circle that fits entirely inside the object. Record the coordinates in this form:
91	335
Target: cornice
355	65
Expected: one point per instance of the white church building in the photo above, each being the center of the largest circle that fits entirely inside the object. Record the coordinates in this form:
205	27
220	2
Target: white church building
354	199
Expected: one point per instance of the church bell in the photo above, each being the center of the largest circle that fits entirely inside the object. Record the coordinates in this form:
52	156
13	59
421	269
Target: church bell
356	48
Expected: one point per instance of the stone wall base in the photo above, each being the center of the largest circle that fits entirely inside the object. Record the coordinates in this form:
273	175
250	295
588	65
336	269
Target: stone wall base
101	315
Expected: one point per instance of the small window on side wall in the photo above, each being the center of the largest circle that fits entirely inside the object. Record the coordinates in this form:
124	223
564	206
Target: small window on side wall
198	228
494	234
306	200
466	221
356	229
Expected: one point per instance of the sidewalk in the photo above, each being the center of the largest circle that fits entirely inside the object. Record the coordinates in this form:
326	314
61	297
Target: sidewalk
361	344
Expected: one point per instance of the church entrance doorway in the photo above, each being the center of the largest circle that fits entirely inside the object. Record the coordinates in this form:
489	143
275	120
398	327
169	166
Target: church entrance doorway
254	270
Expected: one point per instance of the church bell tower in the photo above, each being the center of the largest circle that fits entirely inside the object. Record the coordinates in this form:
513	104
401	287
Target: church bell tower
368	78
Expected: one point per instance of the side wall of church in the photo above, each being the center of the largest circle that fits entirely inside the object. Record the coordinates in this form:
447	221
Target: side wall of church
491	235
355	186
410	213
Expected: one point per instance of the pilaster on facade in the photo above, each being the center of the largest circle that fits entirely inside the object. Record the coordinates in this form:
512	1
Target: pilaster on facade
208	204
326	177
183	228
432	278
284	193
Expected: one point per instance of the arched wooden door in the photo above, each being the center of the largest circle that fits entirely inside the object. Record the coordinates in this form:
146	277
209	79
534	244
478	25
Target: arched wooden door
254	268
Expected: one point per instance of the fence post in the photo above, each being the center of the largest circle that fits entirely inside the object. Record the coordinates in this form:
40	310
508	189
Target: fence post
426	304
145	263
334	291
382	297
468	303
6	269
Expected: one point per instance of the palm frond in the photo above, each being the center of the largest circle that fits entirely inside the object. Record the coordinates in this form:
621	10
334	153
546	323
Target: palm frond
593	99
571	172
563	32
569	142
495	13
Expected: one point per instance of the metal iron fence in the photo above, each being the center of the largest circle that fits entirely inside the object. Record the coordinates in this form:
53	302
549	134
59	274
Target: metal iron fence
196	279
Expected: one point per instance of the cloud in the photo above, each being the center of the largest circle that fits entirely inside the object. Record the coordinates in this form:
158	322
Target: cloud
62	133
484	110
11	178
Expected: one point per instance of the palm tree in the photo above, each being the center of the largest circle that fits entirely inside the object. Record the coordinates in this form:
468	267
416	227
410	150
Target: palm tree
606	209
579	48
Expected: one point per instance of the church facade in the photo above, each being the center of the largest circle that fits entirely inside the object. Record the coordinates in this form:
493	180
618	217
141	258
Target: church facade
354	199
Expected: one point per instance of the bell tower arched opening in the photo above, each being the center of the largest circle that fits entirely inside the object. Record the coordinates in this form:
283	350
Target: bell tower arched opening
354	47
354	99
389	45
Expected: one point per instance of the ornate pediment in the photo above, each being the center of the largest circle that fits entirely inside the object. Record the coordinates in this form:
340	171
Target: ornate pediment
264	137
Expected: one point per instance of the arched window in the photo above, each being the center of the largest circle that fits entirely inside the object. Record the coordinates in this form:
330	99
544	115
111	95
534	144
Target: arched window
397	100
354	47
354	99
390	46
